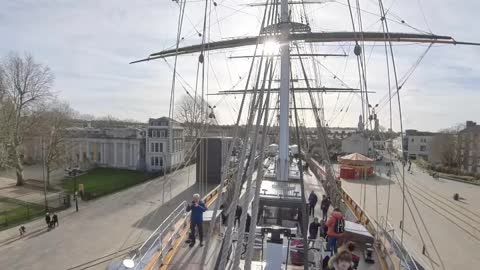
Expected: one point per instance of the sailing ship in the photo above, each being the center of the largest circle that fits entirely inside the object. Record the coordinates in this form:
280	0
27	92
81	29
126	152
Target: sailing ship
273	188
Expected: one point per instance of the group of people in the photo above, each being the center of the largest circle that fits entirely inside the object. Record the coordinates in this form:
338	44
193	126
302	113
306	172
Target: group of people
324	205
52	221
198	207
332	229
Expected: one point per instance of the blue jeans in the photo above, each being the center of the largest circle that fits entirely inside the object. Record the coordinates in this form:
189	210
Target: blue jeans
332	244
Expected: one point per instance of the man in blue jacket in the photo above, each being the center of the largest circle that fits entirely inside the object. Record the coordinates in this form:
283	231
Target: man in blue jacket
196	218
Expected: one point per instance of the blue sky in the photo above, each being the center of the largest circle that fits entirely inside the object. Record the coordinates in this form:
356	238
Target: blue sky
88	45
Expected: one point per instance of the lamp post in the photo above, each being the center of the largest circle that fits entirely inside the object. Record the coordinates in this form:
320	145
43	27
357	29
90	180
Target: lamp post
43	173
73	173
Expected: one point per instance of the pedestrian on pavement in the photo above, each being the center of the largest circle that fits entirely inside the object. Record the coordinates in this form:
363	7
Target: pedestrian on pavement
313	228
22	230
48	220
312	201
196	218
238	214
336	229
55	220
324	205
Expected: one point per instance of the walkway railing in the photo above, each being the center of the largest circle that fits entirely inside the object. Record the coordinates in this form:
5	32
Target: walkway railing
160	241
391	255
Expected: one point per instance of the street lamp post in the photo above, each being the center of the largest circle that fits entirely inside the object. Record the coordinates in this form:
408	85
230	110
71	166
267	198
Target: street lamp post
43	173
73	173
75	197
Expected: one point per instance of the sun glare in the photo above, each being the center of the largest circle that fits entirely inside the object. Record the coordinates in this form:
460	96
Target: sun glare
271	47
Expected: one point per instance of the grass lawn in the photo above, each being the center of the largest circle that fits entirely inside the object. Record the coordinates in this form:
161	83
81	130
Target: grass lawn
14	211
102	181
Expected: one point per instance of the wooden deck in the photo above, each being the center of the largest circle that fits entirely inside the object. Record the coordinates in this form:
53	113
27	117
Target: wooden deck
185	258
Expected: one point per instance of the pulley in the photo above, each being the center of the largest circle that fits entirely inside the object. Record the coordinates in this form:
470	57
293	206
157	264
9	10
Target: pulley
357	50
200	58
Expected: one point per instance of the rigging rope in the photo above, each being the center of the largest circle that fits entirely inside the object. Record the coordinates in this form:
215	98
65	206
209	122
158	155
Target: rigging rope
230	150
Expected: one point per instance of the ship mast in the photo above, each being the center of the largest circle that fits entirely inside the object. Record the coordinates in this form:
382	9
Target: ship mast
282	172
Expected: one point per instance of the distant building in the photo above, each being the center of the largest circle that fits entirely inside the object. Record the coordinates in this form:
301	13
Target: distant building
157	146
469	144
356	143
106	147
164	144
418	144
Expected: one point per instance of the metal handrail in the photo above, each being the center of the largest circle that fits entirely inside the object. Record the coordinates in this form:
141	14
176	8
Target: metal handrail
171	219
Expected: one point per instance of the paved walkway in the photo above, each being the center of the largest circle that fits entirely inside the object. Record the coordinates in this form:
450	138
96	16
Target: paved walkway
101	226
454	226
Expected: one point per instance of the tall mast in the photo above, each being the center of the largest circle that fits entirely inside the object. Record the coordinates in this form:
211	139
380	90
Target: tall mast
282	172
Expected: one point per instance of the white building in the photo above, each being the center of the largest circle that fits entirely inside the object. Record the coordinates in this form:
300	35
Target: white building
418	144
106	147
356	143
164	151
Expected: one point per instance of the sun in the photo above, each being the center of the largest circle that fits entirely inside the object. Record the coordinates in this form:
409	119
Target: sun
271	47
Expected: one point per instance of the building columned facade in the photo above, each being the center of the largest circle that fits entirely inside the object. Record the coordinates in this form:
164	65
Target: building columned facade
164	144
157	146
107	147
469	147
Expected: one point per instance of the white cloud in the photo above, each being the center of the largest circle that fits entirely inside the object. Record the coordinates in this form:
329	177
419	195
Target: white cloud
88	45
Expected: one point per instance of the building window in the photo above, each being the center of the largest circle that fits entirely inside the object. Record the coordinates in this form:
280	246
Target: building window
161	147
423	148
161	162
156	147
99	157
162	133
156	161
413	140
84	155
152	147
152	161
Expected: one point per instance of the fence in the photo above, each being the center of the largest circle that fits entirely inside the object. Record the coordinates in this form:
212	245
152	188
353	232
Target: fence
14	211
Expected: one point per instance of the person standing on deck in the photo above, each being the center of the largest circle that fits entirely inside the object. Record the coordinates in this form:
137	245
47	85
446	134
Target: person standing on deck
324	205
312	201
313	229
196	218
336	229
238	214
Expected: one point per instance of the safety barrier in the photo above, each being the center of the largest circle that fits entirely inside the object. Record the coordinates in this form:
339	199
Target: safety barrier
208	199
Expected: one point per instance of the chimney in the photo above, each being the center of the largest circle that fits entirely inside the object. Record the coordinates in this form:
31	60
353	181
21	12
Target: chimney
471	124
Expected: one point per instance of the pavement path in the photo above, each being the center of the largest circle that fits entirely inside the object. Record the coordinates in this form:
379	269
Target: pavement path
453	226
102	226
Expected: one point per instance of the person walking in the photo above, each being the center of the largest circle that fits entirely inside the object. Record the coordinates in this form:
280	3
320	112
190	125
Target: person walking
55	220
312	201
196	218
238	214
48	220
313	229
22	230
325	205
336	229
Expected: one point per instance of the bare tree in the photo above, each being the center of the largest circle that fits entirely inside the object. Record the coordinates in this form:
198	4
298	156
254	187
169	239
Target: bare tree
56	117
26	84
189	111
445	146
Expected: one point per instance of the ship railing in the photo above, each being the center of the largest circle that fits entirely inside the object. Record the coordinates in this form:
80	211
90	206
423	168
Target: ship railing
398	258
157	242
389	235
